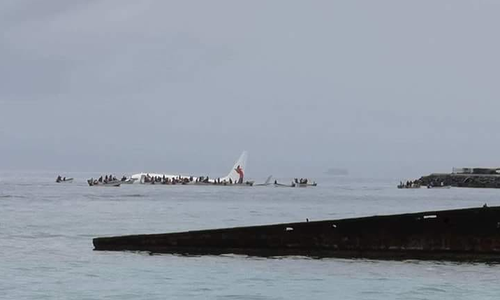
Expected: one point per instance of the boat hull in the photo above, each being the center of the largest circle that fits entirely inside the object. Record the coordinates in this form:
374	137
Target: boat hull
68	180
103	184
302	185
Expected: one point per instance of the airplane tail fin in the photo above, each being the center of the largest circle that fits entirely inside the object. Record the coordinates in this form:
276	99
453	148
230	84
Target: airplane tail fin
268	180
237	173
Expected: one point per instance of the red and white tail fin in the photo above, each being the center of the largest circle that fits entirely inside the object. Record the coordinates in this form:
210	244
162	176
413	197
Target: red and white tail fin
237	173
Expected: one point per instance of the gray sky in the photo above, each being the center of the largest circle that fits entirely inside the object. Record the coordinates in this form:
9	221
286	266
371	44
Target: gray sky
384	87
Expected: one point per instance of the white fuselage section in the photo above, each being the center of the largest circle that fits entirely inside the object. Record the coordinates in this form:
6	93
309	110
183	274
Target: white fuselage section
235	174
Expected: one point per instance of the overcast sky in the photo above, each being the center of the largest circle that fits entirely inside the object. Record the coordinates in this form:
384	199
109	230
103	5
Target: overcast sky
384	87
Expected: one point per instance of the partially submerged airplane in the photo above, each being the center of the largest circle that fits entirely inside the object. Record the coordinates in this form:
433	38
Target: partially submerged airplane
236	176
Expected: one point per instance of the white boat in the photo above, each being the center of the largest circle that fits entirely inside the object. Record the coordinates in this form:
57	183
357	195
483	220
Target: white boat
439	187
64	180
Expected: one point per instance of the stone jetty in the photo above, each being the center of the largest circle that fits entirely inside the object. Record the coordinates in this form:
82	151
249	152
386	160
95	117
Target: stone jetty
465	177
471	234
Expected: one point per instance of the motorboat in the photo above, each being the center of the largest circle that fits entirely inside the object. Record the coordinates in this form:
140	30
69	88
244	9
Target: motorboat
417	186
409	185
293	184
63	180
113	183
438	186
306	184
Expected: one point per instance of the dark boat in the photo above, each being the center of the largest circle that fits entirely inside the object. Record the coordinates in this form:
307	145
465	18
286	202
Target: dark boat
295	184
465	234
113	183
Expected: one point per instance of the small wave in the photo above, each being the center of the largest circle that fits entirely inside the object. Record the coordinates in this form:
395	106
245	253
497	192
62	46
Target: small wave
433	289
36	236
134	196
112	197
246	297
12	197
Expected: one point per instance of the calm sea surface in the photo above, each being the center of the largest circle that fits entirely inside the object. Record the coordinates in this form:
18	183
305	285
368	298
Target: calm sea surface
46	232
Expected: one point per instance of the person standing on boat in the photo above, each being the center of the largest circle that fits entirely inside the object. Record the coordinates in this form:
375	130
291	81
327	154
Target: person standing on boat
239	170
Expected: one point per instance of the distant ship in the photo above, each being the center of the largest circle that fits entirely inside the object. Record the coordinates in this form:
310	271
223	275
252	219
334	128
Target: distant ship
337	172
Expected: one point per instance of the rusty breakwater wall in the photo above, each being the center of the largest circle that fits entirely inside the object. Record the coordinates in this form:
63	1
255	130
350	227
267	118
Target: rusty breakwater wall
466	234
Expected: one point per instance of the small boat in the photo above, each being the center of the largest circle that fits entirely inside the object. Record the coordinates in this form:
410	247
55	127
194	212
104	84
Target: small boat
409	187
439	187
128	181
114	183
306	184
293	184
64	180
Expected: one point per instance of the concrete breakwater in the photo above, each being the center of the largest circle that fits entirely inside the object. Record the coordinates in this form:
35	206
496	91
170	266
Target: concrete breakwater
462	180
466	235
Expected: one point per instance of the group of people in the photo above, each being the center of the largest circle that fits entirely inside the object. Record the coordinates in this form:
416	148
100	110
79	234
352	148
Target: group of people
187	180
61	179
218	181
166	180
409	184
417	184
108	179
301	181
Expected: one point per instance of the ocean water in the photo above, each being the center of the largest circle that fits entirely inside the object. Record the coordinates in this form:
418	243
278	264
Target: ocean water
46	251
